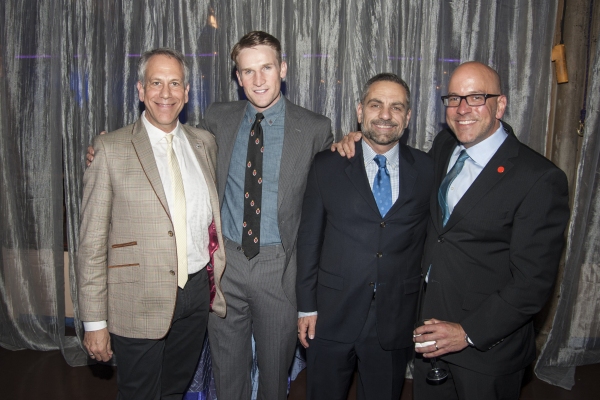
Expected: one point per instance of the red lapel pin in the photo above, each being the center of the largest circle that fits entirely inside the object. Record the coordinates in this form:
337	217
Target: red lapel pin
500	169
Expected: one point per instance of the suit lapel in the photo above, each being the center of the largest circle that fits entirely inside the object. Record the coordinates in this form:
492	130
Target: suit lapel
407	175
293	150
227	136
358	176
489	176
143	149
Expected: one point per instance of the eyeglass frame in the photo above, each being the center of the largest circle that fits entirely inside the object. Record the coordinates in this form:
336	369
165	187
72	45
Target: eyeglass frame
485	97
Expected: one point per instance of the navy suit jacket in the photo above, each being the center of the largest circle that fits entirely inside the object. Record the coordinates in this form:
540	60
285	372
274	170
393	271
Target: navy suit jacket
345	246
494	264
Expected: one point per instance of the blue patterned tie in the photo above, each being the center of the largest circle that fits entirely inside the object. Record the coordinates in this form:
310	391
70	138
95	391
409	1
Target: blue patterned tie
382	187
443	192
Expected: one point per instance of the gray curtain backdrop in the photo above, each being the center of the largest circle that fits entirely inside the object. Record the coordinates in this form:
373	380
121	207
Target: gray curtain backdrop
575	336
68	71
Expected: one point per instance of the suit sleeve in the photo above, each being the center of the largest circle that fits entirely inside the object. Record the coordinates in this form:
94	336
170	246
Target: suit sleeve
96	208
327	136
205	123
535	250
310	241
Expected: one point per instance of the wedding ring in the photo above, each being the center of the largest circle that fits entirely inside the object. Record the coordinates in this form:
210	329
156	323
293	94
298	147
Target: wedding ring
436	346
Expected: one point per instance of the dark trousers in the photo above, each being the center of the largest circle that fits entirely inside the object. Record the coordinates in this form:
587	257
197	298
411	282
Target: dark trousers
163	369
330	366
464	384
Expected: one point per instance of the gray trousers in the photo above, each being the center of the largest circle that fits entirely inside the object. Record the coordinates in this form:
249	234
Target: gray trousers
256	305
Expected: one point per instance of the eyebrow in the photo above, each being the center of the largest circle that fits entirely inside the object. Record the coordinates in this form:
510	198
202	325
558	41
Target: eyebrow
381	102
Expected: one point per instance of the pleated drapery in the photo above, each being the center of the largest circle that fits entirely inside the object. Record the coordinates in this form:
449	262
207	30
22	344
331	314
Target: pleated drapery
68	71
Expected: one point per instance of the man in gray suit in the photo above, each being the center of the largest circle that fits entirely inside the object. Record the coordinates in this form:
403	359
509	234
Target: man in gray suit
150	240
260	288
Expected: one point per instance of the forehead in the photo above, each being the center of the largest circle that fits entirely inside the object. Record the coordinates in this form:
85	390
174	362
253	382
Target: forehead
386	91
164	65
258	55
473	79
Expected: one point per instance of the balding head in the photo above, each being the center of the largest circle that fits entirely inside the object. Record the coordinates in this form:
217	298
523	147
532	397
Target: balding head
473	124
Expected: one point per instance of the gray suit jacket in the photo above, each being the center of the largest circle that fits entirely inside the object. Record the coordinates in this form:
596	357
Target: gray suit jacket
306	134
127	258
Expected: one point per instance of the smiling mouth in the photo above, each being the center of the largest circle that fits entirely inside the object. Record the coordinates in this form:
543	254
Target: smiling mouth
469	122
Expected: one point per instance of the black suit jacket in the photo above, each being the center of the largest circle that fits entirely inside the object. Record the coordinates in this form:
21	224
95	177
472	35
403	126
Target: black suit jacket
345	246
494	264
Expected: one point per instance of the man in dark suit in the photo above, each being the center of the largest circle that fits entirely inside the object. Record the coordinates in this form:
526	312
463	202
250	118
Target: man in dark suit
494	241
259	282
359	250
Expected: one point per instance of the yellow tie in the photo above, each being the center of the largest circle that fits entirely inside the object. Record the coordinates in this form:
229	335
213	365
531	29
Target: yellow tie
178	214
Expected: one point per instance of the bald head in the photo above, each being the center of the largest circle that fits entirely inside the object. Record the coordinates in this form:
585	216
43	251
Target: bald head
477	70
473	124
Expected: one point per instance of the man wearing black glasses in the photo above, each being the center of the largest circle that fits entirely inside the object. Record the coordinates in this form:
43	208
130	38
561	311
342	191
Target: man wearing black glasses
494	240
498	214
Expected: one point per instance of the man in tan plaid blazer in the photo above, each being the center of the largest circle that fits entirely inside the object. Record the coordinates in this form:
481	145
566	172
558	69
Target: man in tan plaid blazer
127	267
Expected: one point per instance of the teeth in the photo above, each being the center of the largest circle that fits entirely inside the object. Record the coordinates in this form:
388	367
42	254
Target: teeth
465	122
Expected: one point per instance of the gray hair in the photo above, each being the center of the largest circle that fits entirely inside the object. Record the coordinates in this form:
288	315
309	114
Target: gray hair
163	51
385	77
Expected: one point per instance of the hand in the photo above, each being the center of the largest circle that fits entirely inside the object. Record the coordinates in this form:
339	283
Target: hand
346	146
90	154
449	337
97	344
306	324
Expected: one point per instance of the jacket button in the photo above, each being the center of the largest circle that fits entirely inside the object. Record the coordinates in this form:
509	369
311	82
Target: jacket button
382	224
379	255
171	233
441	239
172	272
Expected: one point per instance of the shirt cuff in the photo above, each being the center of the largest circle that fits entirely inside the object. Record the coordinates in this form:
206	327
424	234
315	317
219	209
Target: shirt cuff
468	340
306	314
94	325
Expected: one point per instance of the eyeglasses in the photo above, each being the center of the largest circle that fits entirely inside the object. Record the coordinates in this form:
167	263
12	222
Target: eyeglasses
473	100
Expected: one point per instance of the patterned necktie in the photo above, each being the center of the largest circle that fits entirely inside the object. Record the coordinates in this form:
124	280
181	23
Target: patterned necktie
443	192
178	214
253	190
382	187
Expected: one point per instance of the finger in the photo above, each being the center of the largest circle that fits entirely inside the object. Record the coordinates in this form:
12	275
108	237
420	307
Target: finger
103	132
302	337
338	147
311	331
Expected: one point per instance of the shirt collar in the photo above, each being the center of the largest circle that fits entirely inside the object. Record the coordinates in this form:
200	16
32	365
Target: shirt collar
482	152
271	114
391	155
155	134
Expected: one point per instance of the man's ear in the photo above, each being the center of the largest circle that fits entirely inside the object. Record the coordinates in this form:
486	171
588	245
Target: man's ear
359	113
141	93
501	106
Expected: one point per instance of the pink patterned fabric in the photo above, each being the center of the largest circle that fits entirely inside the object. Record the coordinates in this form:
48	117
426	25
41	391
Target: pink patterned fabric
213	245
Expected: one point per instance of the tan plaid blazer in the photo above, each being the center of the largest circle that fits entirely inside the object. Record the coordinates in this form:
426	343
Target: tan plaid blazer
127	260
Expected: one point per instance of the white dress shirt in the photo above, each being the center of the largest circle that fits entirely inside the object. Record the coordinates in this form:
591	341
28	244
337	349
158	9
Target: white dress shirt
198	207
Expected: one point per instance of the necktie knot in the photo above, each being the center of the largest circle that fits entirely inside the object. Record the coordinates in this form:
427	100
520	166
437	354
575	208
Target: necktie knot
169	137
259	118
380	161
